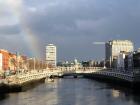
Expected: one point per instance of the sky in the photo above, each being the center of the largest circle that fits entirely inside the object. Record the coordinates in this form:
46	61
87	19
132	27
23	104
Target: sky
27	26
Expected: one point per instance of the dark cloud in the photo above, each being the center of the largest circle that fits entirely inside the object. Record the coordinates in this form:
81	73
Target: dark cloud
10	30
13	43
86	17
74	24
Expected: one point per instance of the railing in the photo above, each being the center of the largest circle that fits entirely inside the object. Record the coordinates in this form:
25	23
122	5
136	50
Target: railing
24	77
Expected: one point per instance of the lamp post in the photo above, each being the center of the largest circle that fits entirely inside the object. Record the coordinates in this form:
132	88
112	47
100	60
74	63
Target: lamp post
34	63
104	63
17	66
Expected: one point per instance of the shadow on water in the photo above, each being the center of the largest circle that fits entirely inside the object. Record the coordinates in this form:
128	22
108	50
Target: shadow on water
3	96
70	91
77	91
128	93
66	91
32	85
80	91
123	91
26	88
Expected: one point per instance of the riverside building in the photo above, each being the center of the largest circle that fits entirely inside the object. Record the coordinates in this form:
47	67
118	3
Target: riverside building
51	58
113	49
10	61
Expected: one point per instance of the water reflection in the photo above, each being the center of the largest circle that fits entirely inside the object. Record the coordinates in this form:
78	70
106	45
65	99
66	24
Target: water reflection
115	93
3	96
71	91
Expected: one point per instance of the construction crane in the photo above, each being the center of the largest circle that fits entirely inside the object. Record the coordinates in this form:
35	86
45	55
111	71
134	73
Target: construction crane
99	43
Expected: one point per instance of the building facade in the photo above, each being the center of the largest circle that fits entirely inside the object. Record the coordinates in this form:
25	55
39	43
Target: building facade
5	59
121	60
130	61
51	55
10	61
1	63
114	47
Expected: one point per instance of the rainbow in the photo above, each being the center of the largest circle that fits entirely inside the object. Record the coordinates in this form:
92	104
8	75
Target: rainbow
27	34
31	41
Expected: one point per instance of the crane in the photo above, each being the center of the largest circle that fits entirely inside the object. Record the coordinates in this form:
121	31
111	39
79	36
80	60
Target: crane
99	43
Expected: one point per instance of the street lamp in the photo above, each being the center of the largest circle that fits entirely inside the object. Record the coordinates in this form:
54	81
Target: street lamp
34	62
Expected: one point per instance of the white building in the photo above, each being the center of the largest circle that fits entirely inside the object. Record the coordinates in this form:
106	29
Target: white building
120	60
114	47
51	56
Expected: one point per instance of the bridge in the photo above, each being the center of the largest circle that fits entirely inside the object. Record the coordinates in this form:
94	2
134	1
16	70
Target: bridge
20	81
117	76
91	72
101	73
48	73
71	71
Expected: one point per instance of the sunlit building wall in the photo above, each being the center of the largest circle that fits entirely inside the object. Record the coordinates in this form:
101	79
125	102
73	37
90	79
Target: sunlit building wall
10	61
51	56
1	62
114	47
5	59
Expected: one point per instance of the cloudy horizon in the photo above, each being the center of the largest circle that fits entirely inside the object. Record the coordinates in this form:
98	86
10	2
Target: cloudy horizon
27	26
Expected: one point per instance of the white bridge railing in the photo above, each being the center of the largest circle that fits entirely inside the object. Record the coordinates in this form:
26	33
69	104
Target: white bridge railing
66	70
22	78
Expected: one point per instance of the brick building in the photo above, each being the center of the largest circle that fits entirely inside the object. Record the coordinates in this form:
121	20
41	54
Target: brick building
10	61
5	59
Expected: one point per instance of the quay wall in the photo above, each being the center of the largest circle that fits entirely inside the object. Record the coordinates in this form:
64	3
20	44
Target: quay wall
8	88
22	82
113	80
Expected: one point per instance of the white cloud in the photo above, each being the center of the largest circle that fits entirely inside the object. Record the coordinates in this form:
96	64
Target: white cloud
9	11
32	9
15	4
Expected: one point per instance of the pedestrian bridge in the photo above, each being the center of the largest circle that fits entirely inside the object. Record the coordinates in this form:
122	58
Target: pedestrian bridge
70	71
96	72
51	72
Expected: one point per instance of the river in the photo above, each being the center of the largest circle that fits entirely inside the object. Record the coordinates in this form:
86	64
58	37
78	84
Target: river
70	91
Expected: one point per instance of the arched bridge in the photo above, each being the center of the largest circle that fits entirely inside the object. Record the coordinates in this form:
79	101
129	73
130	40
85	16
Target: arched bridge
70	71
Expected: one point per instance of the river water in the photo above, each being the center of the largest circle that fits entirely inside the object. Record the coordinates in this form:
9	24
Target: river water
69	91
